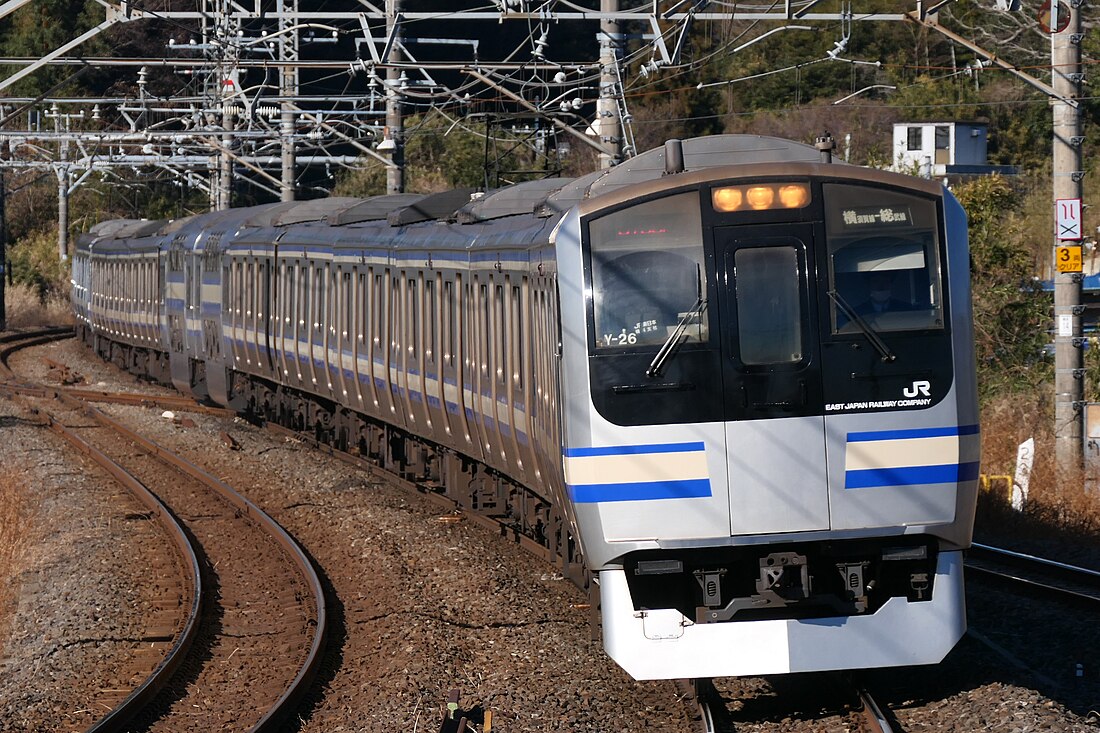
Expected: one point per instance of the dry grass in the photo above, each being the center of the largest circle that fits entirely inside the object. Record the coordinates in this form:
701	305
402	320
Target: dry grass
25	309
13	533
1056	497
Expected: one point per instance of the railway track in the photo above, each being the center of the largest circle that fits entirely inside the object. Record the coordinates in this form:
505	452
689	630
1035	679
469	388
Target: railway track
842	693
706	707
1035	575
240	636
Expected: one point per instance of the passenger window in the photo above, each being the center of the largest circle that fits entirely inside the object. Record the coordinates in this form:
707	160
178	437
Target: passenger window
883	260
769	306
648	273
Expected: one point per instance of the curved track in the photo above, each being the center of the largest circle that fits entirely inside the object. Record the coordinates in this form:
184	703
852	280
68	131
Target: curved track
241	547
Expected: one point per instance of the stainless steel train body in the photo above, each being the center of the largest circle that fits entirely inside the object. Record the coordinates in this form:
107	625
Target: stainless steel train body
740	386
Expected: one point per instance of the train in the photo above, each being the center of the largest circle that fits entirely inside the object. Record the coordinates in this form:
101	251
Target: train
729	383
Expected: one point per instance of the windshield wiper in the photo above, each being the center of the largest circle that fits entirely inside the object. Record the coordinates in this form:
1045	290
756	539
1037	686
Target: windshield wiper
676	338
869	332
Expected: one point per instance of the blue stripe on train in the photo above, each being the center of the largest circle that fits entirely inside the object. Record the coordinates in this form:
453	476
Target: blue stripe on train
911	475
913	433
633	450
642	491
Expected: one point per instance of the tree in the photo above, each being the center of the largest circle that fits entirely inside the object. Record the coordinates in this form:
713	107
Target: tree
1011	312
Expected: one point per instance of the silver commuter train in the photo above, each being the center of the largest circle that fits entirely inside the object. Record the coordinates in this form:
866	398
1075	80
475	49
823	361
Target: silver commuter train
733	379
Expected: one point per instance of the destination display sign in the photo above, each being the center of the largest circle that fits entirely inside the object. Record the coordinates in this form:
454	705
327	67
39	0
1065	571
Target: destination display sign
870	216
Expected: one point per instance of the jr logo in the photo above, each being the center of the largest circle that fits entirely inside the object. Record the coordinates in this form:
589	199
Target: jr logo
920	387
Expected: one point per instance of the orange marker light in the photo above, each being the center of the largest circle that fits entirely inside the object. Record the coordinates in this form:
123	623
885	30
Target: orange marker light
726	199
794	196
760	197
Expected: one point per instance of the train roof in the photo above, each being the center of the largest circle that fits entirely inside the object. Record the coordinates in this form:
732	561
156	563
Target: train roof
546	199
436	206
520	198
299	212
125	228
700	153
376	208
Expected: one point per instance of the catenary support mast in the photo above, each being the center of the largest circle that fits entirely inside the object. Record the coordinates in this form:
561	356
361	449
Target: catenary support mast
1068	344
395	123
608	126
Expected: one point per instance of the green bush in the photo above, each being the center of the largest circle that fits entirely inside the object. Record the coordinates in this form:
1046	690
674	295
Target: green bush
1011	313
36	264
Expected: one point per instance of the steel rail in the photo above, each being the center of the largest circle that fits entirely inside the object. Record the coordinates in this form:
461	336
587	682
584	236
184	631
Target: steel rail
874	718
1054	566
274	716
1035	574
144	693
23	340
172	402
116	719
62	331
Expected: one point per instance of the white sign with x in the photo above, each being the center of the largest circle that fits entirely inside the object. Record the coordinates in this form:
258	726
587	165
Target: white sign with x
1067	214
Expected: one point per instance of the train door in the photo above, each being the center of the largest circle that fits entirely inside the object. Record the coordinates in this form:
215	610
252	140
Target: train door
244	306
343	307
268	310
357	334
477	363
192	275
431	384
370	348
315	324
772	379
409	351
302	325
462	359
389	334
232	309
447	362
254	323
284	326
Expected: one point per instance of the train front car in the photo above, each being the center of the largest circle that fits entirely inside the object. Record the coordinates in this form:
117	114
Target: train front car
770	418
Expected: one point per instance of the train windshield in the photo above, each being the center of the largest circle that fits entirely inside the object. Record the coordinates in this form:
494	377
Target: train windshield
883	259
648	273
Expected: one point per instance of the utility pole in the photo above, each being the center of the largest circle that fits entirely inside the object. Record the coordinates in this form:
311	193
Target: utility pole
223	90
395	123
1065	42
608	126
63	213
288	89
225	161
63	195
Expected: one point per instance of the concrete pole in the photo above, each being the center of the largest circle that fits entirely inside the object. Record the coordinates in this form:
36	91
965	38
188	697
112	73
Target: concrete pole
63	214
286	131
63	199
225	164
288	89
608	125
1068	351
395	121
